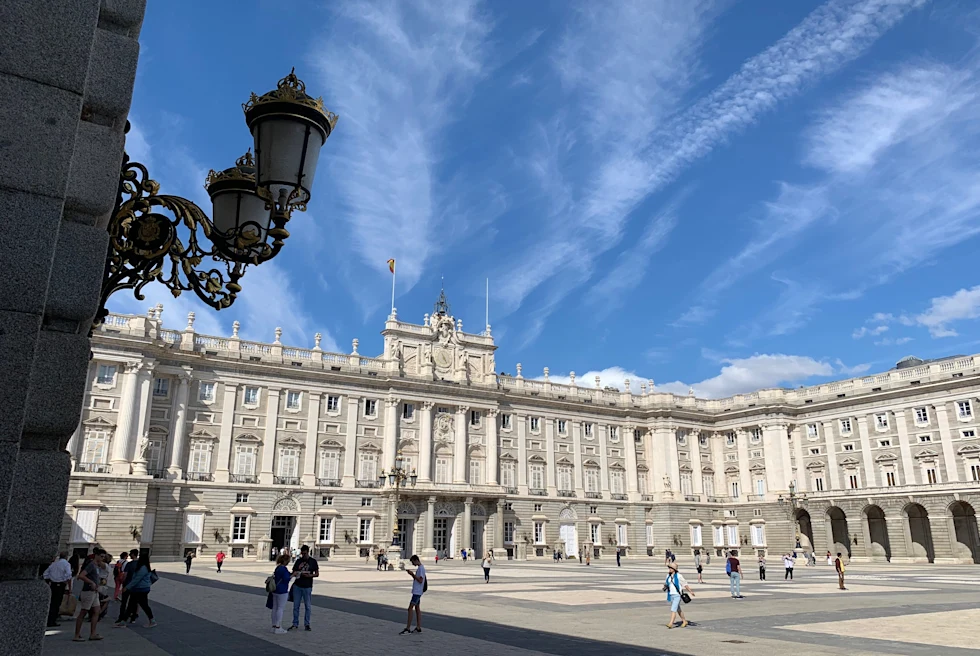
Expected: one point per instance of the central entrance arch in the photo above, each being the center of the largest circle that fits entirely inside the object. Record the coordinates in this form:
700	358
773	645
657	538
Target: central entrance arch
567	532
920	532
880	547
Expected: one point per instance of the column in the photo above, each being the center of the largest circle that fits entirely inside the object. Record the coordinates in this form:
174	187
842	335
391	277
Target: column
908	469
773	441
799	473
391	433
350	446
833	470
694	439
717	441
946	438
870	480
179	432
459	452
266	476
629	442
127	415
425	442
577	458
549	467
521	452
227	425
673	462
312	448
787	461
493	446
428	550
658	455
73	441
467	532
603	459
744	476
498	527
144	382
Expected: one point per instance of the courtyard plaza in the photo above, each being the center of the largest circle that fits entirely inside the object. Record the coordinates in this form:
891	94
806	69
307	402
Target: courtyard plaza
533	608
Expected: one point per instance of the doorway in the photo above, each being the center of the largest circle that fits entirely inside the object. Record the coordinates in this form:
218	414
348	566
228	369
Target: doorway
568	534
406	536
443	540
965	528
920	531
878	533
476	538
806	529
283	534
838	530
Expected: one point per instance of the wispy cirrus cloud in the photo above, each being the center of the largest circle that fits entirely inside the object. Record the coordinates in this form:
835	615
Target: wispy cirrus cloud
943	311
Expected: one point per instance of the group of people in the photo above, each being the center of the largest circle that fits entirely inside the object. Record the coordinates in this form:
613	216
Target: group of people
305	569
99	581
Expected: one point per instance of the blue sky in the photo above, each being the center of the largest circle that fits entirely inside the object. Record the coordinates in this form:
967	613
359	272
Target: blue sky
724	195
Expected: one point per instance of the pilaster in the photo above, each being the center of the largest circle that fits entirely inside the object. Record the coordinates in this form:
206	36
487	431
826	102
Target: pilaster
603	459
312	448
350	446
832	469
629	444
521	452
549	467
909	476
799	472
946	439
391	433
179	428
226	434
267	476
128	406
744	476
867	458
425	442
493	446
459	450
577	458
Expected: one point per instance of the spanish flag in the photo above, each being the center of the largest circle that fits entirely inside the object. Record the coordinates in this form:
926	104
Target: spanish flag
391	265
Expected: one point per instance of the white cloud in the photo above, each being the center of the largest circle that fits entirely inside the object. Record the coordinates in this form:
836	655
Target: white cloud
694	315
610	376
856	370
760	371
944	310
865	330
888	341
399	72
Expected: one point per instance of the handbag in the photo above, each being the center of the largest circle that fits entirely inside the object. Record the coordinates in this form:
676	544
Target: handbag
154	577
686	598
290	596
270	584
68	605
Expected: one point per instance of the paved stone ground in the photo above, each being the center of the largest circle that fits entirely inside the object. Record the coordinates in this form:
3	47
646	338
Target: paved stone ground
531	609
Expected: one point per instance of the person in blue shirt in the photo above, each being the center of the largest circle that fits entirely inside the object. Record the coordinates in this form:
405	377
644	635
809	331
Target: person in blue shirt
128	570
139	590
282	577
418	589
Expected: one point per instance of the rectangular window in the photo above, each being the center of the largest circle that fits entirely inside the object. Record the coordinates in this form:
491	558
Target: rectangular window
194	528
538	532
245	459
756	435
818	483
815	451
964	410
238	528
84	528
732	530
703	440
708	483
95	450
106	375
811	429
594	533
562	427
292	400
845	426
535	424
734	488
760	486
718	534
884	443
537	476
330	464
967	434
326	530
408	411
621	535
847	447
476	472
366	502
370	408
588	430
853	481
251	396
474	417
507	474
686	484
922	415
730	439
289	462
613	433
368	470
333	403
538	507
649	532
758	532
505	421
199	458
616	481
975	472
509	532
890	478
641	482
161	387
591	479
241	497
696	535
925	438
326	500
931	476
206	392
564	478
365	534
881	421
443	467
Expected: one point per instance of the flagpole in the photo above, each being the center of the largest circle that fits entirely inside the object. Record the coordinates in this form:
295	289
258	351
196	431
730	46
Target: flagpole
393	274
488	303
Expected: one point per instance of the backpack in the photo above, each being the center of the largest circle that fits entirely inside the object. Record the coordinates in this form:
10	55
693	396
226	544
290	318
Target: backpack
728	567
270	584
425	584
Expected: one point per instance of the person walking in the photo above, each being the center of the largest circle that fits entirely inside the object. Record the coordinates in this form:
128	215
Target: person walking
735	574
139	591
58	577
839	566
619	553
419	586
219	558
762	567
588	557
380	553
697	564
674	586
830	559
788	564
88	600
487	561
128	570
119	574
666	557
305	569
281	576
105	582
188	557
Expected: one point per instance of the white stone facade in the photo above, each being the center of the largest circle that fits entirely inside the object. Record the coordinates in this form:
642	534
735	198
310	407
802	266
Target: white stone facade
198	442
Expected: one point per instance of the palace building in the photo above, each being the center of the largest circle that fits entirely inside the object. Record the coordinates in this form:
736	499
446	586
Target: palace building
205	443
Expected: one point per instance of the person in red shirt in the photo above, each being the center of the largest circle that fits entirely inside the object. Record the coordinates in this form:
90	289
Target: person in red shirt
220	557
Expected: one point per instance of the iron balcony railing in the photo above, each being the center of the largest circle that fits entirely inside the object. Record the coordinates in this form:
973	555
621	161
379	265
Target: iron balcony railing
367	483
510	490
328	482
538	492
243	478
200	476
285	480
593	495
620	497
92	467
566	493
692	497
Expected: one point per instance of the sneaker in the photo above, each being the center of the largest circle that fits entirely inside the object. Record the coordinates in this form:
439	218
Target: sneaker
308	628
279	630
119	625
150	624
294	626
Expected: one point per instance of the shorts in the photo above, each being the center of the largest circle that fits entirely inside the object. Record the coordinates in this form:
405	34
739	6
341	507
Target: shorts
416	598
88	600
675	602
699	569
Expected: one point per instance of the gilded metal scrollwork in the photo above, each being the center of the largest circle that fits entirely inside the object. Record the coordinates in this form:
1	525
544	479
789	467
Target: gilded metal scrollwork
147	245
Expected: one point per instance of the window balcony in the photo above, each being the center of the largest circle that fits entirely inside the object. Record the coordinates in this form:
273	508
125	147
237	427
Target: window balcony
328	482
200	476
620	497
717	500
538	492
692	497
367	483
593	495
510	490
646	497
566	493
757	497
159	472
285	480
92	467
243	478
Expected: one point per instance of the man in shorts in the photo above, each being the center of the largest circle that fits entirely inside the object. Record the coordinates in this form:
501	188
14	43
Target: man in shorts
88	600
418	589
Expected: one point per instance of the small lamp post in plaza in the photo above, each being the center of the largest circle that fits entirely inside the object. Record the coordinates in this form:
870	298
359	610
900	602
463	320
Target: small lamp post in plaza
395	478
252	202
793	502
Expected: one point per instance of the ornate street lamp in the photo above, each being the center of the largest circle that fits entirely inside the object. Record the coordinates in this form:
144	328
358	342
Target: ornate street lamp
252	202
792	503
398	475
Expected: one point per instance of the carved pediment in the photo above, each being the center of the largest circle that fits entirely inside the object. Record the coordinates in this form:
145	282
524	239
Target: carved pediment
707	470
849	462
331	444
509	457
203	435
98	423
816	464
731	469
564	461
247	437
289	441
369	446
886	457
590	463
969	449
757	467
926	453
157	431
618	466
685	468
